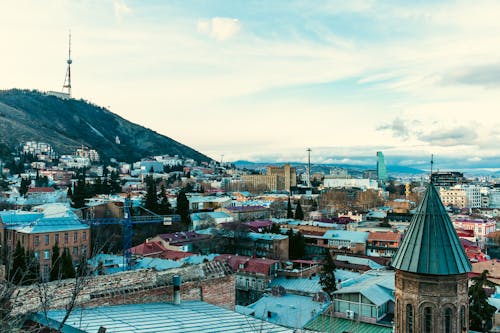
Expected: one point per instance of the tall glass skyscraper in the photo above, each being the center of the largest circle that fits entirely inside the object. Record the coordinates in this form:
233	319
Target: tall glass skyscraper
381	168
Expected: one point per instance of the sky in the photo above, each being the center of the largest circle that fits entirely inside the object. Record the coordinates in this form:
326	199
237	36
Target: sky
265	80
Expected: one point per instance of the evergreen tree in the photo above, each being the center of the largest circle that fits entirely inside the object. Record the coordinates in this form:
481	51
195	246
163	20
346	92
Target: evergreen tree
69	193
299	213
55	270
327	275
25	183
80	193
296	245
164	207
115	183
32	269
151	198
67	268
479	309
275	228
18	269
183	209
289	211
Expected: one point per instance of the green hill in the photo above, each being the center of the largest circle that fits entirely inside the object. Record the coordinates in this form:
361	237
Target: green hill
65	124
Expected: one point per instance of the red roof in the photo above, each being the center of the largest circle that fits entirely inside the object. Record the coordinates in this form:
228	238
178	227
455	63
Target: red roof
384	236
175	255
247	264
40	190
148	249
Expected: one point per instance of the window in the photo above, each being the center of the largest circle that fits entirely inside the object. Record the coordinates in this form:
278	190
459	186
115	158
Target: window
75	237
447	320
84	235
409	318
37	255
66	237
22	239
47	241
462	318
46	254
427	319
56	239
36	241
75	251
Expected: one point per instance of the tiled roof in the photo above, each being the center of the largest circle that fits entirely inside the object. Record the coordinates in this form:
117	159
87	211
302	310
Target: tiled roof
250	265
384	236
41	190
431	244
148	248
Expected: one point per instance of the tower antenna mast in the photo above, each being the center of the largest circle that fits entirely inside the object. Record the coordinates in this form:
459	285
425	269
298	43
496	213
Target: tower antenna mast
308	167
67	78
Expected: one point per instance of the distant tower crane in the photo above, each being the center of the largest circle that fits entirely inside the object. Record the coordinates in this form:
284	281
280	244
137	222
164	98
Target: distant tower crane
67	78
308	167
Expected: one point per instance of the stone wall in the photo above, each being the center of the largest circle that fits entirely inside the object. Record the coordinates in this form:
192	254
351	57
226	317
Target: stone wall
212	282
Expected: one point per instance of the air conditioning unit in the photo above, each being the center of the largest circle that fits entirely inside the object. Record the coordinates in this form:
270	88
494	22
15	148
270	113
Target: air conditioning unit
349	314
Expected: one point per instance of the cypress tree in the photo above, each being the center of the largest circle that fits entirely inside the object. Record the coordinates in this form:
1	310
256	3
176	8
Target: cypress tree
18	269
479	308
289	212
183	209
67	268
299	213
164	207
55	270
151	198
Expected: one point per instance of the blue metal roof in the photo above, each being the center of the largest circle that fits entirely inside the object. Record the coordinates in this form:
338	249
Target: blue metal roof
378	287
188	317
353	236
431	244
288	310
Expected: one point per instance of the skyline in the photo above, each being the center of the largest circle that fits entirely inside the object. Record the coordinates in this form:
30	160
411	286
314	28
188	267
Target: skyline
259	81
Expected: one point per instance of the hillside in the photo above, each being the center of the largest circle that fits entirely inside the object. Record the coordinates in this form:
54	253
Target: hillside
65	124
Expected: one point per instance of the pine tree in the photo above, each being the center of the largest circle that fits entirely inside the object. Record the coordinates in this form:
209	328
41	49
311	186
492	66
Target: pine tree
289	211
55	270
25	183
299	213
67	268
80	193
327	275
479	309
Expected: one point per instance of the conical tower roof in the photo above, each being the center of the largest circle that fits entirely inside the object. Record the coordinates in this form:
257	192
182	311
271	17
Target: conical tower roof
431	244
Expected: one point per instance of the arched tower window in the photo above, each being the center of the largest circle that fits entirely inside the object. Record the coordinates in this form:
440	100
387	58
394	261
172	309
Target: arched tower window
427	319
448	315
462	318
409	318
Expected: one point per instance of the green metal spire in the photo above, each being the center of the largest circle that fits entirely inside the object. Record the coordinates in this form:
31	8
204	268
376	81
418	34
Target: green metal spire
431	244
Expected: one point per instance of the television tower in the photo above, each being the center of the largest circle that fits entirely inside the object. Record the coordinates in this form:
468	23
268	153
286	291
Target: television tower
308	167
67	78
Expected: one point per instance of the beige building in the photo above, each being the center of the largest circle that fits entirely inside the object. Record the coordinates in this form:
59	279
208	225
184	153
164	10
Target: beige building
276	179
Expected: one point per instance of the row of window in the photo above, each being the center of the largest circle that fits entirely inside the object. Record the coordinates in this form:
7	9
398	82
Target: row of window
428	319
46	254
46	238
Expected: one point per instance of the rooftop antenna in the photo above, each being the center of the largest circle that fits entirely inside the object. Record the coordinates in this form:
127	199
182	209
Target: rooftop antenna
432	164
67	78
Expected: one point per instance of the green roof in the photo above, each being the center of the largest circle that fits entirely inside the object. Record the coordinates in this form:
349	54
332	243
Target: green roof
324	323
431	244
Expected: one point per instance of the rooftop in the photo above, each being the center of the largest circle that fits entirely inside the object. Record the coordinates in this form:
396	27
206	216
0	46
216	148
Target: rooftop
329	324
353	236
377	287
189	316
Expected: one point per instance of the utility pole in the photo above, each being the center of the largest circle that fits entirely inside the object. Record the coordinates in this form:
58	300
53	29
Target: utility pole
309	167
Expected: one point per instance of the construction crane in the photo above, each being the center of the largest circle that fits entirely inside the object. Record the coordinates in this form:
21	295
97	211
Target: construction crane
127	223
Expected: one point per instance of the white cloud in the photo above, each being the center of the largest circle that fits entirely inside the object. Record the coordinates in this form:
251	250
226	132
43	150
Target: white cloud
219	28
475	159
121	9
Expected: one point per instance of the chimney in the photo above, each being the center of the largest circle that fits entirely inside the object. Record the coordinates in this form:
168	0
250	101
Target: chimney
177	280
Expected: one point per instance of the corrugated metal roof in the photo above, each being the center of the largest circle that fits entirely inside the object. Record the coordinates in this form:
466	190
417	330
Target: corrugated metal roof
189	316
378	287
431	244
329	324
353	236
298	284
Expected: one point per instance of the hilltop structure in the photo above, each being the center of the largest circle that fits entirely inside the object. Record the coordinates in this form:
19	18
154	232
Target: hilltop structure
431	273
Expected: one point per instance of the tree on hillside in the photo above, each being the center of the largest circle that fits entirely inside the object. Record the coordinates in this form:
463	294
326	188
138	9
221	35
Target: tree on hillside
18	269
151	198
289	211
164	207
183	209
67	268
479	309
327	275
299	213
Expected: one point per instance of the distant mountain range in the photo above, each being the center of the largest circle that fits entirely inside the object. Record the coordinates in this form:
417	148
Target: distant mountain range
69	123
394	169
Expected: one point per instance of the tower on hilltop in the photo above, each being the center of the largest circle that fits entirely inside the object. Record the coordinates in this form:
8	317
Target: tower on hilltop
67	78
